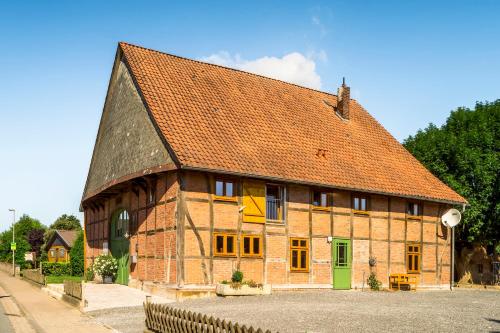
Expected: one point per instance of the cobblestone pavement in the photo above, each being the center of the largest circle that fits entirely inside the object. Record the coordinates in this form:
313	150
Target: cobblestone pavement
351	311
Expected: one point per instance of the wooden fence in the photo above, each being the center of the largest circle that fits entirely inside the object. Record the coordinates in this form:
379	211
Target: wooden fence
73	288
33	275
162	318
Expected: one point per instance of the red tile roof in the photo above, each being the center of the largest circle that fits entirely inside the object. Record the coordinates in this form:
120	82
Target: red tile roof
225	120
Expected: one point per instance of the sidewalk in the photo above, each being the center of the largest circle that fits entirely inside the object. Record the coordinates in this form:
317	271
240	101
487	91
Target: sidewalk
5	326
35	311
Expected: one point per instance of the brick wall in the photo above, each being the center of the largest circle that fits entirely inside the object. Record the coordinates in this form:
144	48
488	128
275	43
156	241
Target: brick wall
151	227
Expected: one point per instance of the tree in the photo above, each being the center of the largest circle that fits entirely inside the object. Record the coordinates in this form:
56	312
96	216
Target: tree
66	222
23	227
36	240
465	154
76	256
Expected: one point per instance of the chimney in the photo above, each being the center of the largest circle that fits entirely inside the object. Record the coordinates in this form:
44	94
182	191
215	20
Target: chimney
343	97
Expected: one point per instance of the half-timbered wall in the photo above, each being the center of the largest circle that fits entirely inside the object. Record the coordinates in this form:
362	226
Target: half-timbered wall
174	239
383	233
151	227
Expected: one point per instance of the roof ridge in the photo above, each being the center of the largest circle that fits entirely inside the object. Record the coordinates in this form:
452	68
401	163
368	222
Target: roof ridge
225	67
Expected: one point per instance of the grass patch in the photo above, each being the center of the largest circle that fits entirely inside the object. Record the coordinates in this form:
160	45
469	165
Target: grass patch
60	279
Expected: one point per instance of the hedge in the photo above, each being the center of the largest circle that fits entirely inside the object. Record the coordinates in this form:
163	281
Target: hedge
56	268
76	256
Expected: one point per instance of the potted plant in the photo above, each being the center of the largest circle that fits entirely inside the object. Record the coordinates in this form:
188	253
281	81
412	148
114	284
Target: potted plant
106	267
239	287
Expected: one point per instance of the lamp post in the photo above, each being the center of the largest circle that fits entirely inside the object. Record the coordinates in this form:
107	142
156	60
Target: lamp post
13	240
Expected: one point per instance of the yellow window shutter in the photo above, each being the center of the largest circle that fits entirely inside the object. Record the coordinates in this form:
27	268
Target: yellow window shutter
254	202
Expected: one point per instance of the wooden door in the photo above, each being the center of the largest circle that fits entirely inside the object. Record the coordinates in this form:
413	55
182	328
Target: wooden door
341	255
120	245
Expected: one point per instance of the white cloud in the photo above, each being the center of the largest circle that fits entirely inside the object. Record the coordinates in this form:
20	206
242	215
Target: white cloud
293	67
317	22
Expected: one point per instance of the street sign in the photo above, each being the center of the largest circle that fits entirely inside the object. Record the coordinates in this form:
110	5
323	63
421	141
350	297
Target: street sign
13	246
29	256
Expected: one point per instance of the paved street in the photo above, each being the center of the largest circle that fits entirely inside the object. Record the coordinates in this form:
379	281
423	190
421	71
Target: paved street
5	326
31	310
342	311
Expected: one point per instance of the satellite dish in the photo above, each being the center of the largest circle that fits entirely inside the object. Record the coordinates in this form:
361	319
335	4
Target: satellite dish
451	218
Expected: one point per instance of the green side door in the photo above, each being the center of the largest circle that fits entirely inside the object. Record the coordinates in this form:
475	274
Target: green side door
341	255
120	245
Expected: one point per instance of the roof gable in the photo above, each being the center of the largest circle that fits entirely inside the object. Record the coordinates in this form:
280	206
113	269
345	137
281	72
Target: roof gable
127	141
62	237
224	120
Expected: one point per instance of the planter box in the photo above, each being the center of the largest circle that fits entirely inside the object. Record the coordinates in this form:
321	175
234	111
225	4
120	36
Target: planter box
227	290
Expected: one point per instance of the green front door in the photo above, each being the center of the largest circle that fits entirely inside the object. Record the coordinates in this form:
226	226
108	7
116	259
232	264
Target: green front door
341	254
120	245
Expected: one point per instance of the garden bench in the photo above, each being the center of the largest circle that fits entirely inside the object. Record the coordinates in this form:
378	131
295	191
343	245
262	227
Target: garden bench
396	281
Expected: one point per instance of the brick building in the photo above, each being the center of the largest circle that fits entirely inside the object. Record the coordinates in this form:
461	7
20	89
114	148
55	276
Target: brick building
199	170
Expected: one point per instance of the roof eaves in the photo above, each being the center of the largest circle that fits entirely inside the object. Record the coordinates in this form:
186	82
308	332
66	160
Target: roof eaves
339	187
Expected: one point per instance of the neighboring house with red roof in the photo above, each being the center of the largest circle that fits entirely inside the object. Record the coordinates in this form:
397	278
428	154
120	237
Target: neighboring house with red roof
199	170
59	245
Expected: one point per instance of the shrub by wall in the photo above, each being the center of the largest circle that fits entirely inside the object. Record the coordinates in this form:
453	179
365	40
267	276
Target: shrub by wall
56	268
76	256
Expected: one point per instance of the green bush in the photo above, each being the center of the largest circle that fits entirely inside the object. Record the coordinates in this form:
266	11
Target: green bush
105	265
237	276
56	268
76	256
373	282
89	274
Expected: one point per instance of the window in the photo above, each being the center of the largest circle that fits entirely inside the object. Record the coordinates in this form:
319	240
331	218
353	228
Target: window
413	258
224	190
275	202
251	246
321	199
360	204
61	252
224	244
151	194
413	209
121	224
53	253
299	254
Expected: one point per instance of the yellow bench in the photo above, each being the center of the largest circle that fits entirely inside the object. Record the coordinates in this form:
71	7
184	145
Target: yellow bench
398	280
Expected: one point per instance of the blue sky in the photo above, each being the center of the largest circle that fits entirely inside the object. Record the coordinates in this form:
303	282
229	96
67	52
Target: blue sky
408	62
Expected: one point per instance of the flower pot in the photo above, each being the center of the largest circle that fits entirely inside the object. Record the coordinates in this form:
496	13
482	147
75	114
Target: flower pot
244	290
107	279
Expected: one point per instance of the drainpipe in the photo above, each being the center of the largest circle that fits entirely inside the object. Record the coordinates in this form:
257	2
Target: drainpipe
452	280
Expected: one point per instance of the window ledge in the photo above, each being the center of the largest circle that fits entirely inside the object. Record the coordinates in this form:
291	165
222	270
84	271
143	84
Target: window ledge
276	222
225	255
299	271
321	209
360	212
249	256
224	198
414	217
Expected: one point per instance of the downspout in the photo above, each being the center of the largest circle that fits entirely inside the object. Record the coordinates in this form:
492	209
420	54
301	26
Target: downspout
452	281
